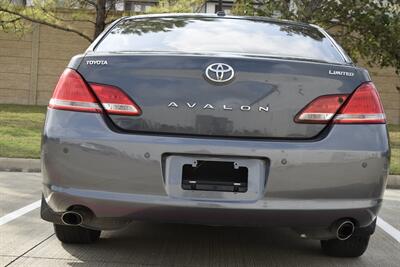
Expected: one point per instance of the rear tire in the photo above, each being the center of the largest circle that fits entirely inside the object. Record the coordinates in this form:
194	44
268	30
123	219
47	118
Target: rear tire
353	247
76	234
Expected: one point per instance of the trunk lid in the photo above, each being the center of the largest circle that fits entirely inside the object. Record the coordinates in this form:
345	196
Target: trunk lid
261	100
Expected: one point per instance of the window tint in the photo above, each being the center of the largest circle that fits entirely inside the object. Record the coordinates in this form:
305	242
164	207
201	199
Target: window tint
188	34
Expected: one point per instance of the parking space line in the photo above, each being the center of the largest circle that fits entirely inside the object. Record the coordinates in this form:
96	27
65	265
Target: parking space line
18	213
390	230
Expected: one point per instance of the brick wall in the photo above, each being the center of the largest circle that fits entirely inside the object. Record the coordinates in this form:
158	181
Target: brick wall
31	65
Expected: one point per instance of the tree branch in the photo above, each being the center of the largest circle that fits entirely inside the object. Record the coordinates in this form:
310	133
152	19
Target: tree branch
66	20
55	26
9	21
110	7
90	2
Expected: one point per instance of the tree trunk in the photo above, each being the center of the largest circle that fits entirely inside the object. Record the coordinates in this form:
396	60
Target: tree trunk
100	17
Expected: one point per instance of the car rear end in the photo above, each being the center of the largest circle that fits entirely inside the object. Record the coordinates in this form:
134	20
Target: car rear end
215	120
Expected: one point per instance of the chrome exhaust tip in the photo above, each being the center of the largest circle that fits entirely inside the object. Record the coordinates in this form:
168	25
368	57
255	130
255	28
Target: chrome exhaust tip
72	218
344	229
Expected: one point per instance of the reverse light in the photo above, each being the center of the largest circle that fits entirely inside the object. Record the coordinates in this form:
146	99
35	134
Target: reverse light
364	106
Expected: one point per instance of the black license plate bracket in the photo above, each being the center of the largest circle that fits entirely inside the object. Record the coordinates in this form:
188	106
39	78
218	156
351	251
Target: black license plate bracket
223	176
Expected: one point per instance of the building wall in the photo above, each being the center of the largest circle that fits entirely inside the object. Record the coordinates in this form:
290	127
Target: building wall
31	65
211	7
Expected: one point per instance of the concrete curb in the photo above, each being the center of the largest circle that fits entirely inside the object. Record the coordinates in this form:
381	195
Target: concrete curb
393	181
19	165
33	165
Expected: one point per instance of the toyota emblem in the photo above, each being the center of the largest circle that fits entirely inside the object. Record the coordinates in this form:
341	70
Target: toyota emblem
219	72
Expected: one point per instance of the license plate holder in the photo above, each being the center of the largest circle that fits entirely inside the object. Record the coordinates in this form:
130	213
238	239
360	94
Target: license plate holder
220	178
224	176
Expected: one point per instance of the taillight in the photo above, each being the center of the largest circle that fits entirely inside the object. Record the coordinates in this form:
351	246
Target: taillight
364	106
72	93
114	100
321	109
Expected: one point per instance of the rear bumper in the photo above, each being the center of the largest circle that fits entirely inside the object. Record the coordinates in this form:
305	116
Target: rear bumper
122	176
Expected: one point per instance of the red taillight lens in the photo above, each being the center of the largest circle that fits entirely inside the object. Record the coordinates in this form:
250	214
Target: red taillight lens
72	93
115	101
321	109
364	106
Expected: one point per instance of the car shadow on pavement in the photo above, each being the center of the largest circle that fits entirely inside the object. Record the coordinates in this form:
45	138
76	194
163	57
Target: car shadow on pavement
194	245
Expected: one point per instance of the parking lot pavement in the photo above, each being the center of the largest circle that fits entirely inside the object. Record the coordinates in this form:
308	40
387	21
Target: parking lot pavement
29	241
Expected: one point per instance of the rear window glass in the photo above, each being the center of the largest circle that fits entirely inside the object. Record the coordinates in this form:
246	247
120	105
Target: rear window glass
227	35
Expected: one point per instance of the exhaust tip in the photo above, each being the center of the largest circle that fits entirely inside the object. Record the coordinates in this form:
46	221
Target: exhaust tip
72	218
345	230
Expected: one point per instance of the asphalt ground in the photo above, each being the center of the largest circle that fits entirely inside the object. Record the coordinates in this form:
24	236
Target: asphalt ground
26	240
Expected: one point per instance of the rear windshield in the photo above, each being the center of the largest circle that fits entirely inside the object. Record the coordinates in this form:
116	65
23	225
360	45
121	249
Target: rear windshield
216	35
